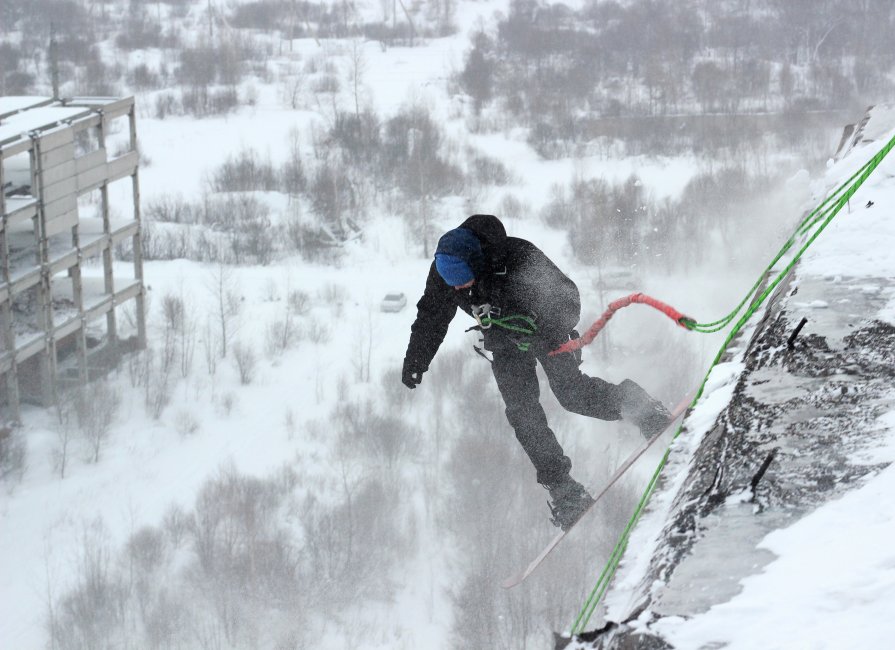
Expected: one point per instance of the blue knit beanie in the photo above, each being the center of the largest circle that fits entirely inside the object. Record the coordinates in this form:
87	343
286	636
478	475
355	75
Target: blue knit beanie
458	255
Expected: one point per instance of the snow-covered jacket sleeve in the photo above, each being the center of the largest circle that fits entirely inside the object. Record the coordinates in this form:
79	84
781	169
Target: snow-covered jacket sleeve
434	313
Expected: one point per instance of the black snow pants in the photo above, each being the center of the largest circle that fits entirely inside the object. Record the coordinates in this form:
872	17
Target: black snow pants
517	380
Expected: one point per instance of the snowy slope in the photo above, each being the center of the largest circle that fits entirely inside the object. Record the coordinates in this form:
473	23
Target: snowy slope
802	558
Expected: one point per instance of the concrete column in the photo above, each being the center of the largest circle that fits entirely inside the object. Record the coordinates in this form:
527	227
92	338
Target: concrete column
7	335
137	245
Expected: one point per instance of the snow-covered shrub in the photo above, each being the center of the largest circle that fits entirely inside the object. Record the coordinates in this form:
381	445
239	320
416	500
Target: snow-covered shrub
172	309
351	548
326	83
146	549
90	614
142	77
176	524
311	241
299	302
166	617
289	423
204	101
137	365
397	397
490	171
242	550
157	393
167	103
186	423
317	332
271	290
448	375
227	403
413	156
357	135
246	362
333	294
381	436
292	179
333	199
245	172
257	563
171	209
512	208
280	335
96	411
100	78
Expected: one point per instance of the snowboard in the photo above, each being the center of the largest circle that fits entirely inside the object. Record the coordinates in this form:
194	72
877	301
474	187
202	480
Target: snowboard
520	577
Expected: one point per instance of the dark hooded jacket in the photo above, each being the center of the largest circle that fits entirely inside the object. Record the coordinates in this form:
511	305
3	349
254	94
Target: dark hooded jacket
515	277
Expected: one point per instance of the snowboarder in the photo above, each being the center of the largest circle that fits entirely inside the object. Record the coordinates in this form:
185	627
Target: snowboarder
525	307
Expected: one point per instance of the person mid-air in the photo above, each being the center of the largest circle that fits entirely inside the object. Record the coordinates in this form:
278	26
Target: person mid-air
525	307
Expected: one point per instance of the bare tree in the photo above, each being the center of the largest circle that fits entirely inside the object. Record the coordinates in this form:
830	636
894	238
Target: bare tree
91	614
210	347
292	174
158	385
187	338
293	84
281	334
173	311
356	67
223	287
64	409
97	408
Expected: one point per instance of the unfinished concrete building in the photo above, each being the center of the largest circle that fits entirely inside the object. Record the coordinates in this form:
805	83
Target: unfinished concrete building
70	206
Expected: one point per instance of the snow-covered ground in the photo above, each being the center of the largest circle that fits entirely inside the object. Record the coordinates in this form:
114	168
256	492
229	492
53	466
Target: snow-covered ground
148	464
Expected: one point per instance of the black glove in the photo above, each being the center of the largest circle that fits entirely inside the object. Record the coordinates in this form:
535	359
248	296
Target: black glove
410	376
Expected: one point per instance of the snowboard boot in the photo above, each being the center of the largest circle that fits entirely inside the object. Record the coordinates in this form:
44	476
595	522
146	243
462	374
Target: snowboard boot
637	407
568	501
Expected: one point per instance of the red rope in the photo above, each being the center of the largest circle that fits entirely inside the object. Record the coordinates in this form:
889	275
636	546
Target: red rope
614	306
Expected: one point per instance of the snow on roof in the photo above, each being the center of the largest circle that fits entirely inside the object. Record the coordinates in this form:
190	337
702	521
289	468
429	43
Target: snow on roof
15	103
20	124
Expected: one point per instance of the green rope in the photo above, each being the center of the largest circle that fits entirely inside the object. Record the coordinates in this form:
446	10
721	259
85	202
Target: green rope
507	323
816	215
823	215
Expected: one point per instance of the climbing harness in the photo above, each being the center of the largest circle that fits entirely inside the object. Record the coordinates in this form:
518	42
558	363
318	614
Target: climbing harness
516	323
511	326
808	231
482	313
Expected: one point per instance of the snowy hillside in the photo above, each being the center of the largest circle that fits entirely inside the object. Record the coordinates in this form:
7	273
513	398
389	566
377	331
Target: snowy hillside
265	481
771	528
